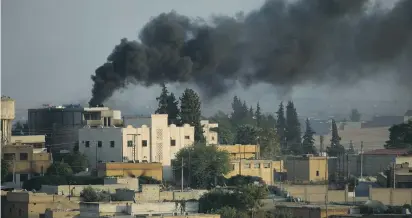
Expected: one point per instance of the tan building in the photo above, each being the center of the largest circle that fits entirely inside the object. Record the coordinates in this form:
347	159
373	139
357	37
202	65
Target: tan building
7	117
37	141
241	151
122	169
403	176
209	133
102	116
26	161
25	204
158	142
306	168
266	169
312	210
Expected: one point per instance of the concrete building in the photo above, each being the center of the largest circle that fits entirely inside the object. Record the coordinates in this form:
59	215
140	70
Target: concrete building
122	169
266	169
209	133
7	117
241	151
312	210
25	204
60	124
402	174
158	142
303	169
153	192
26	161
37	141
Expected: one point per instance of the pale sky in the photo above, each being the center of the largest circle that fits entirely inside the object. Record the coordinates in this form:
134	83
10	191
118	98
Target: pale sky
51	47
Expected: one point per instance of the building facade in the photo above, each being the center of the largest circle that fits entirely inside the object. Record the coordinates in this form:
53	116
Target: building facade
26	161
307	168
158	142
210	132
122	169
7	117
238	151
266	169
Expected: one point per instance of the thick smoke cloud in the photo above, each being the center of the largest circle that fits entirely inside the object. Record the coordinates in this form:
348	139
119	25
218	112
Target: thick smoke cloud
282	44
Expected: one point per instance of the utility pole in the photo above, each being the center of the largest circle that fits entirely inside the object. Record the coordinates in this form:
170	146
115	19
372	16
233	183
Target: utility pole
321	144
182	174
394	173
190	174
361	160
326	186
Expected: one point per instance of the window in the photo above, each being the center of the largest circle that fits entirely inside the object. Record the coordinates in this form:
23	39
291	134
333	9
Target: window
247	165
187	137
266	165
112	144
232	167
99	144
213	138
257	165
24	177
87	144
8	156
144	143
42	170
317	172
24	156
172	142
130	143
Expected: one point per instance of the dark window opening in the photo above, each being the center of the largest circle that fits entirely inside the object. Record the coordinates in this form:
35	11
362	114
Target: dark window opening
99	144
112	144
24	156
144	143
172	142
187	137
130	143
87	144
317	173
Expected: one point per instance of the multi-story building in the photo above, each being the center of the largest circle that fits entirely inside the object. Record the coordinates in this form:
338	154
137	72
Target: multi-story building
26	161
241	151
307	168
209	132
158	142
7	117
266	169
60	124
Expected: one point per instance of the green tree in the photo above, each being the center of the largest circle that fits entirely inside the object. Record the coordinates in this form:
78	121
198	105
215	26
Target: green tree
308	143
225	133
77	161
335	149
281	126
240	113
230	212
293	129
4	169
173	109
355	116
59	168
190	112
243	198
269	143
258	116
90	194
167	104
400	136
202	165
247	134
20	128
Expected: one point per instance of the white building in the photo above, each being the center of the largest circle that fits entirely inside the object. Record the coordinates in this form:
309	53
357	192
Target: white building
155	143
208	132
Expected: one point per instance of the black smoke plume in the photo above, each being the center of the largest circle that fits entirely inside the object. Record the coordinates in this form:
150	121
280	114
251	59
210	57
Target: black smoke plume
283	44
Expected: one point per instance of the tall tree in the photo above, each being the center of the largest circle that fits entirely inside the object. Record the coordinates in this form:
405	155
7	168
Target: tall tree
355	116
335	149
269	143
400	136
202	165
247	134
190	112
20	128
173	109
293	129
162	101
308	142
258	116
4	169
281	126
167	104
